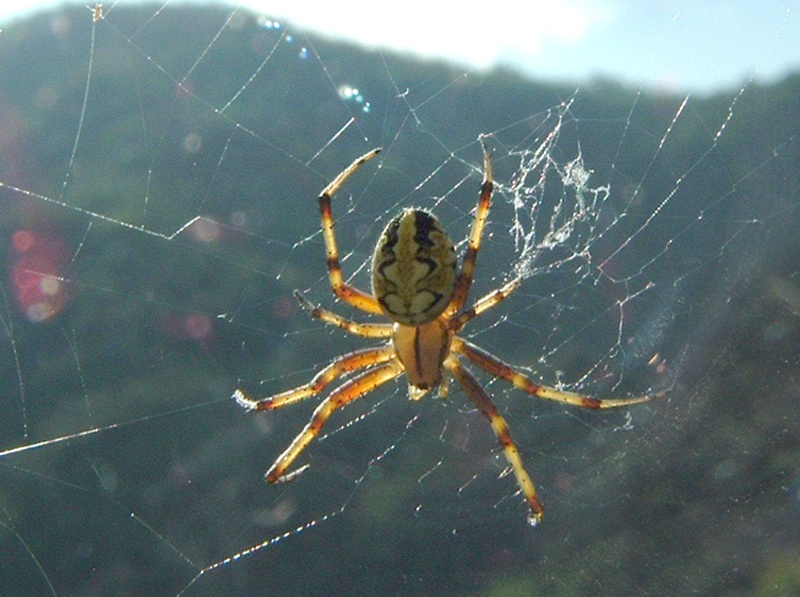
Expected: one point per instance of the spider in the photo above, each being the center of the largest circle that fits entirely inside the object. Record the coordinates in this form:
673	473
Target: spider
97	12
417	284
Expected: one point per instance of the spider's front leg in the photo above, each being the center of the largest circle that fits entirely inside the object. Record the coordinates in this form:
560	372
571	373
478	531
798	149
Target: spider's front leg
498	368
359	359
346	393
481	400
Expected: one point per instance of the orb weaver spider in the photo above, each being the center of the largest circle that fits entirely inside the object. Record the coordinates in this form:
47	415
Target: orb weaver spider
417	285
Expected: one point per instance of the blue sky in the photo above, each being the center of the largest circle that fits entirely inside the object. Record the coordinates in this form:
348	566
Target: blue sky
675	45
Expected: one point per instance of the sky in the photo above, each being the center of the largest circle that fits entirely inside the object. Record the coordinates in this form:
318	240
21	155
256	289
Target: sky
674	45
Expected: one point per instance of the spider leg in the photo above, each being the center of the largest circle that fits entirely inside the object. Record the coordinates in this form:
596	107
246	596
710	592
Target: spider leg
478	396
344	394
358	298
474	241
484	304
366	330
498	368
359	359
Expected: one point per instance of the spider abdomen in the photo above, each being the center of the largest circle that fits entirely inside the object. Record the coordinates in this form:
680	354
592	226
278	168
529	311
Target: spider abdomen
414	268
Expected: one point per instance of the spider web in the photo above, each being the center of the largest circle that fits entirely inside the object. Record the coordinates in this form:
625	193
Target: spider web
159	200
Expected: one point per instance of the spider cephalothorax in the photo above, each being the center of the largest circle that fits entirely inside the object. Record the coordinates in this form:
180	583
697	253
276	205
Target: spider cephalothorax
417	285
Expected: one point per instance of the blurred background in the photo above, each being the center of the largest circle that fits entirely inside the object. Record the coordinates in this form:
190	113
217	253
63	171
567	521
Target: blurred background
159	167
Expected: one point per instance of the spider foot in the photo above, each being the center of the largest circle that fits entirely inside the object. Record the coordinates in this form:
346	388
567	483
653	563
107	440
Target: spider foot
535	519
244	401
305	303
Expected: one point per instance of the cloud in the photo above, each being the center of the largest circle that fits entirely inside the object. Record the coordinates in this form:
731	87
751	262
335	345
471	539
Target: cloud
476	35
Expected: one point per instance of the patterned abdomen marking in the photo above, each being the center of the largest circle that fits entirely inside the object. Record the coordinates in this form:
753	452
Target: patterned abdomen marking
414	268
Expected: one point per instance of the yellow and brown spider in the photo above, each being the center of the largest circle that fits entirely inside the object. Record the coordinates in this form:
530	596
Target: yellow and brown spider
416	284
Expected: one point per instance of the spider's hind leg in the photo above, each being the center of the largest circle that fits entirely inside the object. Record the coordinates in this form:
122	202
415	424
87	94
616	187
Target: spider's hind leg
476	232
358	298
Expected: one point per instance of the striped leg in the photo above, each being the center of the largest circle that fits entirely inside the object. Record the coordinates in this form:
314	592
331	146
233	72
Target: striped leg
366	330
480	399
484	304
474	242
498	368
350	294
344	394
359	359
